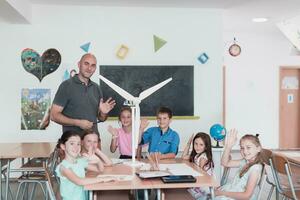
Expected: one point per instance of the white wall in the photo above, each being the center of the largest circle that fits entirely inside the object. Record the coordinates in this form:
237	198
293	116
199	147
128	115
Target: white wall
189	32
252	85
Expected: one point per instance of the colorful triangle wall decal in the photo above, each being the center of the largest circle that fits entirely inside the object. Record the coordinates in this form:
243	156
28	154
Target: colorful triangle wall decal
158	43
85	47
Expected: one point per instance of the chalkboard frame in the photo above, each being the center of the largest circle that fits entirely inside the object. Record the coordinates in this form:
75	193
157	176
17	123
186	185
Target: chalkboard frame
177	94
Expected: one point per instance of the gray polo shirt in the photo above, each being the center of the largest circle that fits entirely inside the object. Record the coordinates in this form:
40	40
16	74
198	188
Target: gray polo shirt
79	101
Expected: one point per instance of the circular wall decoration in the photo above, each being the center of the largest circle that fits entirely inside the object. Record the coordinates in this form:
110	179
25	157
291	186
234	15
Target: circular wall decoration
234	49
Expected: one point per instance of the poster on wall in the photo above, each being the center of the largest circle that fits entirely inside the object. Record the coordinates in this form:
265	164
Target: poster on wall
35	108
290	83
40	66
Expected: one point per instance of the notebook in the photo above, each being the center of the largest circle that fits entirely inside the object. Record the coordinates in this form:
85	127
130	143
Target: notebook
152	174
178	179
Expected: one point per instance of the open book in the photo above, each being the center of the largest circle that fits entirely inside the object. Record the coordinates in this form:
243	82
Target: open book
152	174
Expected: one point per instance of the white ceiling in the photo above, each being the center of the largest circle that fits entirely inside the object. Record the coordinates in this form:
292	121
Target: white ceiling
144	3
237	14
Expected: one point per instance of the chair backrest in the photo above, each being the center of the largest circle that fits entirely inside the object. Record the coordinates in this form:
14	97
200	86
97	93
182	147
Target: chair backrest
49	182
225	175
53	160
224	178
282	174
261	182
267	157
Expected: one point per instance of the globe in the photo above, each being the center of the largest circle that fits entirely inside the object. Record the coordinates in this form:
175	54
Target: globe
218	133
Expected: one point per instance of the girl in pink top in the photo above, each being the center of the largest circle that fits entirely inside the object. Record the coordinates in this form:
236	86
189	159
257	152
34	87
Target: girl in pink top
121	137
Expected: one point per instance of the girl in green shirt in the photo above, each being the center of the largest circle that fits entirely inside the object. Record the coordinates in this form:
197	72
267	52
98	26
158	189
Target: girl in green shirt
71	170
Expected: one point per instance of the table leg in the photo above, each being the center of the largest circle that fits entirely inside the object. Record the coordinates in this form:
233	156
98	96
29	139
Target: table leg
90	195
146	197
212	192
1	179
7	179
158	194
136	194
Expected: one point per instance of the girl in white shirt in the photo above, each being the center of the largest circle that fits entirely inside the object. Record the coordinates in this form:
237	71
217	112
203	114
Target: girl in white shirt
201	155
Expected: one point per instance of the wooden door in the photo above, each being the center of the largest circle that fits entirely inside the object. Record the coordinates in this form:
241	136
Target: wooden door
289	110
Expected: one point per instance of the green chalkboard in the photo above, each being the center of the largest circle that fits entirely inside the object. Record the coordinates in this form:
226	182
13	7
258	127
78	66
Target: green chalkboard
178	94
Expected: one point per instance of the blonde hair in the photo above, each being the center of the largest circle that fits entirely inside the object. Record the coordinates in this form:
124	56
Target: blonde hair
259	157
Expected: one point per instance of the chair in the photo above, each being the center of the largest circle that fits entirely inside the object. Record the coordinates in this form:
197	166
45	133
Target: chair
49	183
225	175
39	177
267	156
4	165
284	180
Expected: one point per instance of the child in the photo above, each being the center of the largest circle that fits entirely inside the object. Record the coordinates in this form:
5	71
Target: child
71	170
245	181
90	149
162	139
201	155
121	137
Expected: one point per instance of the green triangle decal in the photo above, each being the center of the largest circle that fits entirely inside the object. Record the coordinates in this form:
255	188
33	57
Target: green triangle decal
158	43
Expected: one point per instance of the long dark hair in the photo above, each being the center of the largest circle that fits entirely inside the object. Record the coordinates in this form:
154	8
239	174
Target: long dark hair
259	157
207	142
65	137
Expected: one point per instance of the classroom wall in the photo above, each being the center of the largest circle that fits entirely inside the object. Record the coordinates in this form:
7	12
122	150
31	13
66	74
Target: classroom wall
189	32
252	81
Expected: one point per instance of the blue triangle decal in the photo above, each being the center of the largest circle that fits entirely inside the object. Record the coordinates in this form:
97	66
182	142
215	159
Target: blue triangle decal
85	47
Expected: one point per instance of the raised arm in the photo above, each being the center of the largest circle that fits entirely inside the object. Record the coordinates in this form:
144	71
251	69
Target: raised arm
185	154
143	126
105	107
114	138
95	163
106	160
57	116
230	141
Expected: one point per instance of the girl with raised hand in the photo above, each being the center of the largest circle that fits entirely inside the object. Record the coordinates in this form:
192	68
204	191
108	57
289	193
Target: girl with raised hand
122	137
201	155
90	149
245	182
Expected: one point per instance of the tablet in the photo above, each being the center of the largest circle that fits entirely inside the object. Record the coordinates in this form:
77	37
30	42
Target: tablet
179	179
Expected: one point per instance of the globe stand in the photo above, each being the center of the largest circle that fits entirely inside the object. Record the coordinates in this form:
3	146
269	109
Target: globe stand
217	145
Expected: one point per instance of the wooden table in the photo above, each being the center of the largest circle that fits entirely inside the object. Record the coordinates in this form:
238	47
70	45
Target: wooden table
143	184
12	151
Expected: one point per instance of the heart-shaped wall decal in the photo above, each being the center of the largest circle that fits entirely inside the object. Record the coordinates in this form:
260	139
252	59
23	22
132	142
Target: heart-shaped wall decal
40	66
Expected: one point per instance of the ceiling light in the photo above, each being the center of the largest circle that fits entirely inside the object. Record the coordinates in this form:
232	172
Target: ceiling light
259	19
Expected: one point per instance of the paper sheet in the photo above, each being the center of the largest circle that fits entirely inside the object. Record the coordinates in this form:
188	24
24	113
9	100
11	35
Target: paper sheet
117	161
175	169
116	177
179	169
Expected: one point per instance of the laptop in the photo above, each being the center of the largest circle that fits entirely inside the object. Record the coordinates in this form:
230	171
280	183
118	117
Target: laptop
179	179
